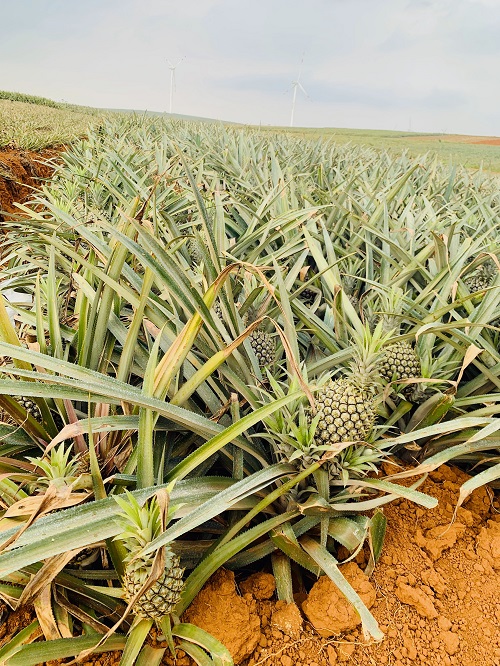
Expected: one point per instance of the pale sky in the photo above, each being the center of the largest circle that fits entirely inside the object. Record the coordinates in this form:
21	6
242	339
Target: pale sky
424	65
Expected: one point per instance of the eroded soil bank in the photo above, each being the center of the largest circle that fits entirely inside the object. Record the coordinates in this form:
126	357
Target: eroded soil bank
20	172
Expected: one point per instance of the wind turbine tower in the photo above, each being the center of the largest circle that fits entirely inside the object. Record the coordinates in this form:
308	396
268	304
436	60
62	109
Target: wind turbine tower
295	85
172	80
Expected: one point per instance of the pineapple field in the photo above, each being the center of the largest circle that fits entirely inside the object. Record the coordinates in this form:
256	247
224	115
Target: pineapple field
250	394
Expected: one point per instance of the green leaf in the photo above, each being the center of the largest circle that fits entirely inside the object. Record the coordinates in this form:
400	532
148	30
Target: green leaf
227	436
220	654
34	655
135	641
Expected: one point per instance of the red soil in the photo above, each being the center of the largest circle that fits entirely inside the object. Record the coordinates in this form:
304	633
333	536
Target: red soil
459	138
435	595
20	172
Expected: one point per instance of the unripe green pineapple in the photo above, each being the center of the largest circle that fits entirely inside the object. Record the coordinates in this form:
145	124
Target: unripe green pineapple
142	525
482	277
195	252
307	295
218	311
399	362
346	406
263	346
261	342
30	406
160	599
346	412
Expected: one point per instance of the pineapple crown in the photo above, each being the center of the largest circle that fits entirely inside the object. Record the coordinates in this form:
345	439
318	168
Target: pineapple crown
366	356
140	524
58	467
350	279
255	299
392	305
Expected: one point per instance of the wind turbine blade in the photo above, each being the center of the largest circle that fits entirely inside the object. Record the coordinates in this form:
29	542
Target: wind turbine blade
300	66
302	88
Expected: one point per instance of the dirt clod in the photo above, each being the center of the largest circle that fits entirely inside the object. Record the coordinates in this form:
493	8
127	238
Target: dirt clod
417	598
287	619
329	611
260	585
232	619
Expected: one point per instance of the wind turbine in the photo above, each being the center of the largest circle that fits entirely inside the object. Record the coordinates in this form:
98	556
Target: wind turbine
172	80
295	85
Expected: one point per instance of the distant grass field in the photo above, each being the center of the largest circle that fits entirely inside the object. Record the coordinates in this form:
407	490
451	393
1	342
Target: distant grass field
34	123
456	149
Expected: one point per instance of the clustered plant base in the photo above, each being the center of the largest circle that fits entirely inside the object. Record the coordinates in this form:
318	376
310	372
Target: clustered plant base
223	337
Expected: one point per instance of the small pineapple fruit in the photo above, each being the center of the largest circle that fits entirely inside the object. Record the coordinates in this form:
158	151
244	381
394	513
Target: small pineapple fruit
218	310
400	360
140	526
28	403
346	406
30	406
263	346
195	252
261	342
482	277
307	295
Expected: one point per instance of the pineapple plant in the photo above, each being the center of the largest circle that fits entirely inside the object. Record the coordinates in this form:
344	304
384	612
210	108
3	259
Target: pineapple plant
344	412
140	526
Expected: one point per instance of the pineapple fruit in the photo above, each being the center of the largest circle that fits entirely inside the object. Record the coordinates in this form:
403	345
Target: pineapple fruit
140	526
27	403
345	407
263	346
482	277
261	342
400	360
30	406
